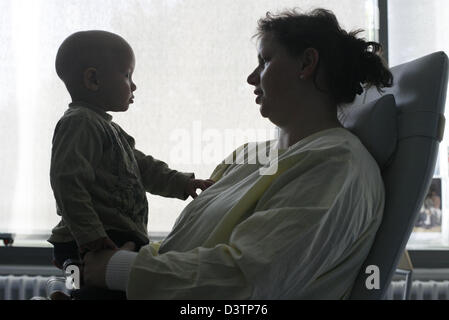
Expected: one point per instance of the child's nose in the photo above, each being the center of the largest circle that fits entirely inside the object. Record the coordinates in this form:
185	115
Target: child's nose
133	87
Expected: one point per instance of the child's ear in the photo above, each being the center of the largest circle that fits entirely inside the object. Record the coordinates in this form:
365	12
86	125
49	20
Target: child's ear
90	79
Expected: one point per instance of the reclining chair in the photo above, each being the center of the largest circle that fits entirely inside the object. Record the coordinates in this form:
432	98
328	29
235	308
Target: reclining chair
401	127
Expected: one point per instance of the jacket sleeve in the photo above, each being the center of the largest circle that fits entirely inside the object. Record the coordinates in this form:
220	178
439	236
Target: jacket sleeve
159	179
77	150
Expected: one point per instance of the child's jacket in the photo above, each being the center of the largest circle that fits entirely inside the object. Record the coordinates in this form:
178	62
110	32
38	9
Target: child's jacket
99	179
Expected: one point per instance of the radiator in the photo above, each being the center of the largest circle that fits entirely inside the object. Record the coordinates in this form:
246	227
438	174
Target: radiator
26	287
421	290
22	287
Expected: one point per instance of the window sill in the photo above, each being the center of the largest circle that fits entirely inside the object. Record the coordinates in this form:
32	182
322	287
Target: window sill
28	251
38	252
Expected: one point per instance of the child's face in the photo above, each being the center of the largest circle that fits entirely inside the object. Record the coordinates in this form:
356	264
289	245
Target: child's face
115	83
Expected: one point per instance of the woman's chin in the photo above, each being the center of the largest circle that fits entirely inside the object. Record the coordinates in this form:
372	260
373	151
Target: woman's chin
263	111
270	116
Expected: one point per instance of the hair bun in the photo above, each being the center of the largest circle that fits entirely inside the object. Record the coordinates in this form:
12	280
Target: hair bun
356	51
367	64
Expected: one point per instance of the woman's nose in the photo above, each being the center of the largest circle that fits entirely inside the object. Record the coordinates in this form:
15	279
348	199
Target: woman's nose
253	78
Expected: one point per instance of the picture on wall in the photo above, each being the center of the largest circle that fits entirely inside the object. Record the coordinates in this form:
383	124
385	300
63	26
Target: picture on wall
429	217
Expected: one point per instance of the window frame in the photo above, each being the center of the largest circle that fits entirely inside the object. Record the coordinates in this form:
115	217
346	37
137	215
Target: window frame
421	258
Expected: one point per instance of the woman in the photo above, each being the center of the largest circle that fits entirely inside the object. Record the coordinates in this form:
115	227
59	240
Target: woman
301	231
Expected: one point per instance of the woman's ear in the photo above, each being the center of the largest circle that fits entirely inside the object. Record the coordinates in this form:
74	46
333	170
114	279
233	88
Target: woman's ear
309	63
90	79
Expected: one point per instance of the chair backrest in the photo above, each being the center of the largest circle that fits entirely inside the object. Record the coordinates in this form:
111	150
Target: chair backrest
419	91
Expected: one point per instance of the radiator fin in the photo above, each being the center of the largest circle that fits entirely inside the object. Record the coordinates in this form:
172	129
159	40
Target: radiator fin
22	287
421	290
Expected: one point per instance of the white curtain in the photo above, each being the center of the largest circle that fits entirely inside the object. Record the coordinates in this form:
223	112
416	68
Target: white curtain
192	107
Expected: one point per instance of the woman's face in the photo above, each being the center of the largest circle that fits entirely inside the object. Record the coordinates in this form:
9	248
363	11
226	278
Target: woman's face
276	80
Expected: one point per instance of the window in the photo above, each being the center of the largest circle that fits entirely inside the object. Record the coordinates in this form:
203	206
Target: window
192	107
427	33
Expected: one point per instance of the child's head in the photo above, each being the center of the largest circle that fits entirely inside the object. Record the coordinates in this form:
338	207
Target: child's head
96	67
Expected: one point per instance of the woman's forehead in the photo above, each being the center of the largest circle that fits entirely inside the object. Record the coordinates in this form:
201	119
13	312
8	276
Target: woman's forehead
269	44
266	42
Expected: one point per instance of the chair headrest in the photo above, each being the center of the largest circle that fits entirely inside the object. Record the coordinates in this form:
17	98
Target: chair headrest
375	124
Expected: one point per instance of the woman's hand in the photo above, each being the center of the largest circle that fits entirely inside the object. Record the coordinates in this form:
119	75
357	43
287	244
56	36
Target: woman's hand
194	184
95	264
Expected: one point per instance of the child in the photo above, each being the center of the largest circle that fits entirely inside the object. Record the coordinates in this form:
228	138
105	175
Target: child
98	178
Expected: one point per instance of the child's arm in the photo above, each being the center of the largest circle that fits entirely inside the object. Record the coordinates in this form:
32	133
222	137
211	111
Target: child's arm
77	149
159	179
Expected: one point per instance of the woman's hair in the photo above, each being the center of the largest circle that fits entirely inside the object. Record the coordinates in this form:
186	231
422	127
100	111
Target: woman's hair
350	62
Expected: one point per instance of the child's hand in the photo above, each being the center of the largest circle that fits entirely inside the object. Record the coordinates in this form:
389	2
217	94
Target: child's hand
97	245
194	184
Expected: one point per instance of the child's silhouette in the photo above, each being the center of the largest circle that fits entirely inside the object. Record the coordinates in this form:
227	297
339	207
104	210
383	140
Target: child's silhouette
98	178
